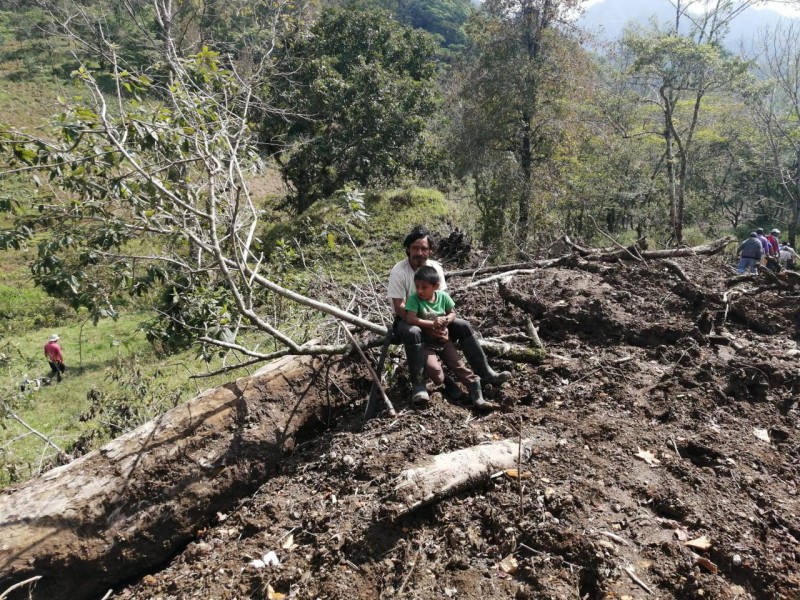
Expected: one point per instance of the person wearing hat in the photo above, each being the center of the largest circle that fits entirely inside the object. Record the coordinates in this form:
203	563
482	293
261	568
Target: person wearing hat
774	242
774	250
749	252
52	352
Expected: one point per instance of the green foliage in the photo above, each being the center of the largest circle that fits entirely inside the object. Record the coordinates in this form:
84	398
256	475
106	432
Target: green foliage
361	89
509	109
332	236
129	397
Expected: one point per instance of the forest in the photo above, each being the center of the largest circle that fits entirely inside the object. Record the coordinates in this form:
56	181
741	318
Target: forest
197	194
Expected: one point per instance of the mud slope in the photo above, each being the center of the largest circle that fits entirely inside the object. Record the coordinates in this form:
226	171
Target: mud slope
665	462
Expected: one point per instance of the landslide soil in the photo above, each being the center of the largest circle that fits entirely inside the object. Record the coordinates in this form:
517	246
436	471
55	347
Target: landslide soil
660	417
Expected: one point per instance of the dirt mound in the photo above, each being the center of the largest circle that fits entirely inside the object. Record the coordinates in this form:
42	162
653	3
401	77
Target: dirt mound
664	462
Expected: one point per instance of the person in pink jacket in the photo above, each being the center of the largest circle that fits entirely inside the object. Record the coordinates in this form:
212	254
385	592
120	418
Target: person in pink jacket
52	352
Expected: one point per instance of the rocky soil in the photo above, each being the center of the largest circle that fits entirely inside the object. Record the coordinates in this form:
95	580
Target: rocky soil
664	461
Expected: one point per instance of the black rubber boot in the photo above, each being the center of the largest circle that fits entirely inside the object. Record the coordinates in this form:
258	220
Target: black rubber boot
415	356
477	360
451	388
476	395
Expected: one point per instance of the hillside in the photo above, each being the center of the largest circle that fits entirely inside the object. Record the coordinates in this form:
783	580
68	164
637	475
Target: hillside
661	458
607	20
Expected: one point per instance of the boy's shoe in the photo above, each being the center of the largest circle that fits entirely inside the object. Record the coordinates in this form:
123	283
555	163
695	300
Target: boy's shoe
452	389
478	401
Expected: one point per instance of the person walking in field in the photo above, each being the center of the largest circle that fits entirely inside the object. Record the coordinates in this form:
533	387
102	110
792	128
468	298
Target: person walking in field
788	257
764	246
774	250
52	352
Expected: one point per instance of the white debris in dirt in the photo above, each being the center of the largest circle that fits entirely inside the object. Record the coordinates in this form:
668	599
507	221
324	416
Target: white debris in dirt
761	434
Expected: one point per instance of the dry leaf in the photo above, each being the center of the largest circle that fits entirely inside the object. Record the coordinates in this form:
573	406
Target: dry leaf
647	457
273	595
509	565
515	474
474	537
702	543
761	434
288	542
707	565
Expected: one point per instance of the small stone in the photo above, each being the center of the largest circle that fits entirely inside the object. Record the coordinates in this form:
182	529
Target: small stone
257	563
736	559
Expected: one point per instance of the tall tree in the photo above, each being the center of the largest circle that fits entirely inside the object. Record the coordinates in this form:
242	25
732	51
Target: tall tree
147	190
776	106
675	72
511	98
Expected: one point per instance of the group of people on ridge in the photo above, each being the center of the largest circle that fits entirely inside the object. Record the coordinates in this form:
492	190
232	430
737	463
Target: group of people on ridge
758	249
426	322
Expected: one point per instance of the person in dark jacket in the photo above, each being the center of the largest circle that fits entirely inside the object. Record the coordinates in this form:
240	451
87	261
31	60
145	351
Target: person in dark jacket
749	252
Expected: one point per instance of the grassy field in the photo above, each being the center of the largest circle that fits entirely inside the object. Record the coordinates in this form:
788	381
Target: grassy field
112	359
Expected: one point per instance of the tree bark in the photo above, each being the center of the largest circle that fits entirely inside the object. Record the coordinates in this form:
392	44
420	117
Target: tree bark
446	474
119	511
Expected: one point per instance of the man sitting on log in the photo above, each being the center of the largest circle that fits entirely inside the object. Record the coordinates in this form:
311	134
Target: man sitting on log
419	245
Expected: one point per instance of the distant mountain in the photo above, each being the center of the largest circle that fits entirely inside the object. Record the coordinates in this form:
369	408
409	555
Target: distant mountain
608	18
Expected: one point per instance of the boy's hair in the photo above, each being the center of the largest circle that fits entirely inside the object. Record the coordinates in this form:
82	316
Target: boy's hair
427	274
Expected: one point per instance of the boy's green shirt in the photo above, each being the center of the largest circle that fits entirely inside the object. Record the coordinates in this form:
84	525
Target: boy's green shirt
428	311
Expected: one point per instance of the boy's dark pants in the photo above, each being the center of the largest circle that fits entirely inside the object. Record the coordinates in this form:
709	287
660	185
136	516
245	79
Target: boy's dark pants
437	353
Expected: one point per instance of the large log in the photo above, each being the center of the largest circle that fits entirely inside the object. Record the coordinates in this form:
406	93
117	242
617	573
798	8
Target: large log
119	511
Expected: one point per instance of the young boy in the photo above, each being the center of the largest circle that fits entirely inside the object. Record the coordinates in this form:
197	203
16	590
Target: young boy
432	311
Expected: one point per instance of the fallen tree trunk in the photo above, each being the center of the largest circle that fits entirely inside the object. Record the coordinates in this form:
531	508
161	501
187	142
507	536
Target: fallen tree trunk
119	511
447	474
625	254
583	258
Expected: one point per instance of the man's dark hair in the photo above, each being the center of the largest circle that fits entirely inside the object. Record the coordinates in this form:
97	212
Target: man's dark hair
419	232
427	274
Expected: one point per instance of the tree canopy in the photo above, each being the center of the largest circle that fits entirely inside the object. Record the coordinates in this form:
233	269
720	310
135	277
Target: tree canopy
359	92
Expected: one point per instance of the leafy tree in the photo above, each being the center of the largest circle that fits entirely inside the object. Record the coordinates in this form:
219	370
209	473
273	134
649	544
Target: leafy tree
444	18
776	106
360	90
154	191
675	72
511	104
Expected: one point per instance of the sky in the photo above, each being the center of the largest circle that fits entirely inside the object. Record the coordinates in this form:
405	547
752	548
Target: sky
778	7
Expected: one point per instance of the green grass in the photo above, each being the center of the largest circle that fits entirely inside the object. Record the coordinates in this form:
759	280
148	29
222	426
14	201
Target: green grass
91	356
